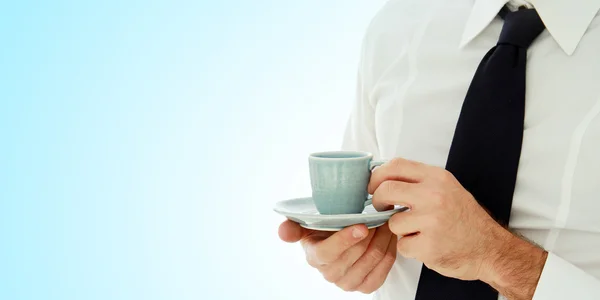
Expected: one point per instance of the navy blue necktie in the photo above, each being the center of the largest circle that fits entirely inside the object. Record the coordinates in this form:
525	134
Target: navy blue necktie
485	151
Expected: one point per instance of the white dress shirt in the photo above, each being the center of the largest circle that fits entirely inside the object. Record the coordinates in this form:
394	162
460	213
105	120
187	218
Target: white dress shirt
418	59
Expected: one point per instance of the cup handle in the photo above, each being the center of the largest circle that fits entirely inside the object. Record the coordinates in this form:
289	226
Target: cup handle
372	165
376	163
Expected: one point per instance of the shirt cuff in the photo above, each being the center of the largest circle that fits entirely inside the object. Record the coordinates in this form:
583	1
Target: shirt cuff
561	280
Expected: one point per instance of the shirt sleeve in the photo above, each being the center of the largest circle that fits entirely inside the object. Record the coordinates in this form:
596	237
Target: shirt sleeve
560	280
360	132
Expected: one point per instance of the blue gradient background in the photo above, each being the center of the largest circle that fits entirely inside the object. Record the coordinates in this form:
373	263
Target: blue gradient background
143	143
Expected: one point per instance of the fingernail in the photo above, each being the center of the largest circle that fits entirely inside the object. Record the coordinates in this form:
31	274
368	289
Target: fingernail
357	233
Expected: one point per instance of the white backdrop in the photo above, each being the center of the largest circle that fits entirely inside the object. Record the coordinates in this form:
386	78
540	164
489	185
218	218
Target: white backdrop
144	143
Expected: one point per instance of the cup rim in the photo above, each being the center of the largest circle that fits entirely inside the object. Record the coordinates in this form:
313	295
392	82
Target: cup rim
359	155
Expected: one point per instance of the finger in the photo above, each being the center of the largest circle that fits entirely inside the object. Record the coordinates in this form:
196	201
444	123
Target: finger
392	192
368	261
398	169
406	246
336	270
403	224
291	232
376	278
330	249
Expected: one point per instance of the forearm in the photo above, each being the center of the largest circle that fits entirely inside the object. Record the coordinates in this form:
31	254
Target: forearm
514	266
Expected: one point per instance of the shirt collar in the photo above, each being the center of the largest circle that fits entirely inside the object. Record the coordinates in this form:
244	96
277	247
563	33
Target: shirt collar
565	20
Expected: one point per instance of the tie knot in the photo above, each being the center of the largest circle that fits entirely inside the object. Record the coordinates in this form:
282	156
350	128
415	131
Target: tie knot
521	27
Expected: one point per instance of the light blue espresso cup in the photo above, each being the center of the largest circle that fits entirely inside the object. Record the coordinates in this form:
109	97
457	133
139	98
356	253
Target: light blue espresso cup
339	181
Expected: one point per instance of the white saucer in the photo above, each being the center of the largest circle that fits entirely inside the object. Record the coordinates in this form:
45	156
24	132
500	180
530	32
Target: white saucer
304	212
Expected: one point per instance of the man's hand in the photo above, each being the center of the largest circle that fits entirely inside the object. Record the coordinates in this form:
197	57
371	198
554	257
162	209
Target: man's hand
355	258
450	232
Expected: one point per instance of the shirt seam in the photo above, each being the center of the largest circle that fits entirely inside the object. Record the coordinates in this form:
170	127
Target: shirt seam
562	213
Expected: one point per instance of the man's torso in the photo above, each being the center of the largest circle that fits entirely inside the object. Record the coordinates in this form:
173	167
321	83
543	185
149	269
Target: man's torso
417	78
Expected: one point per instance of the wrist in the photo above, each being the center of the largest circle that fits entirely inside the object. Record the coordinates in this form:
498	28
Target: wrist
513	266
501	240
